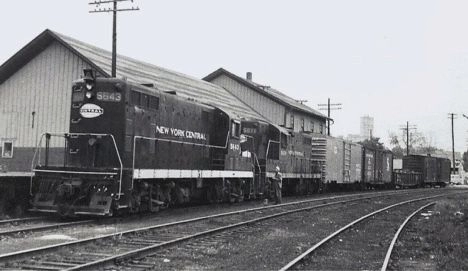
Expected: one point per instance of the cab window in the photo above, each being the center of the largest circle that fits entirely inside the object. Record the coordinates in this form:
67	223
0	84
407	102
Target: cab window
7	149
235	129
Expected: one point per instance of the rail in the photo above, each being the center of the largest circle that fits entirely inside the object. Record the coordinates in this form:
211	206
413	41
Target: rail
397	234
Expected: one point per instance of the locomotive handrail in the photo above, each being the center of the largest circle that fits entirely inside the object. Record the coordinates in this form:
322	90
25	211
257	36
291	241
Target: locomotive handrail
79	134
254	154
174	141
266	155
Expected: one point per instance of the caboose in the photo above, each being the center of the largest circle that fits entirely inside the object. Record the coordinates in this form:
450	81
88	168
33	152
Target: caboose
133	148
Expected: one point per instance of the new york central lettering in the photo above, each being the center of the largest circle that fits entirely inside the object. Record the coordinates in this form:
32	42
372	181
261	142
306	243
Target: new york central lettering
175	132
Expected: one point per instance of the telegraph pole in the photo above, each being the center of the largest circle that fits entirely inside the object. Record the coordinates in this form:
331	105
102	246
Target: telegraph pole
114	10
407	129
453	116
329	106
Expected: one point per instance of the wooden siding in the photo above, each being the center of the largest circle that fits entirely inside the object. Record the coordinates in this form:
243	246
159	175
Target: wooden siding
269	109
42	86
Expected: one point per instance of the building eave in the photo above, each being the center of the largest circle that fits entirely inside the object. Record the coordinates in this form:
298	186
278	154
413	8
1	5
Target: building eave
34	48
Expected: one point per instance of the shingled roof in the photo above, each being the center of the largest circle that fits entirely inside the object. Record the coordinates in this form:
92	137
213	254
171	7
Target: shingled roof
135	71
272	93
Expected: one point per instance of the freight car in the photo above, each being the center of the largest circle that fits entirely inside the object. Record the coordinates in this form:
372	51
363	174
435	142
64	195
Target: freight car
343	163
433	170
133	148
378	168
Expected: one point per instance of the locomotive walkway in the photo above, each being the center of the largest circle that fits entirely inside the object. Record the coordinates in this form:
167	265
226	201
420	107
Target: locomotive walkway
93	253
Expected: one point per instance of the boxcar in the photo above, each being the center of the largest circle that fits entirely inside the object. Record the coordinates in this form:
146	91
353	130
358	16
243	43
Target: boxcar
434	170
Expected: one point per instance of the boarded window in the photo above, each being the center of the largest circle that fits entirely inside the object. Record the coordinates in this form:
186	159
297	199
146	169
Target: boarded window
7	149
144	101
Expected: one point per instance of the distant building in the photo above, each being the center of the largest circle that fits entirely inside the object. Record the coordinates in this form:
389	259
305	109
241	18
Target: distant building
354	138
366	130
367	127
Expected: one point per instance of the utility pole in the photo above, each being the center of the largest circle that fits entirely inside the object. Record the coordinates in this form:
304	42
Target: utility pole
453	116
329	106
114	10
407	129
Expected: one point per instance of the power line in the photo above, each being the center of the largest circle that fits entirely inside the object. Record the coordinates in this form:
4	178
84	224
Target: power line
114	10
329	107
453	116
407	129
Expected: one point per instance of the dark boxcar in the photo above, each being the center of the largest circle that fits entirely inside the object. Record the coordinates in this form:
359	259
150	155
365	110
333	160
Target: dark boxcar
444	165
378	167
369	166
387	168
430	169
435	171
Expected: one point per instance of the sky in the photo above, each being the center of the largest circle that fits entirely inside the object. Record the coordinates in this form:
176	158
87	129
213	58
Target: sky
397	61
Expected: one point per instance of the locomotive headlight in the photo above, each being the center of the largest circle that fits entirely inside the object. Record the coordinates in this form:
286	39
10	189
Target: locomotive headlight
89	94
89	85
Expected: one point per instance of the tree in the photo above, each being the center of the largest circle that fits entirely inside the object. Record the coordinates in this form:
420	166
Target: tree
418	144
373	143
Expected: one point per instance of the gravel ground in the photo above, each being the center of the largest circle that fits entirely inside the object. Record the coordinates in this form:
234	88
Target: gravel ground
363	247
436	239
264	246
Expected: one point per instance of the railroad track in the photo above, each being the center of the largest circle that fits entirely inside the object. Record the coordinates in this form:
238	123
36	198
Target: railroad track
20	220
35	224
361	243
93	253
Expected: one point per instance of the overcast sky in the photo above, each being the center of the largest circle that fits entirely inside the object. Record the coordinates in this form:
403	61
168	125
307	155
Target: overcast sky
397	61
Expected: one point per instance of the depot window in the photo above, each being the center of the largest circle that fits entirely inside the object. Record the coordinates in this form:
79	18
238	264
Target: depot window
7	149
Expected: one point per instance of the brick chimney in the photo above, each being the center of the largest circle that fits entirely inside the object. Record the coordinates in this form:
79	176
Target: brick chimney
249	76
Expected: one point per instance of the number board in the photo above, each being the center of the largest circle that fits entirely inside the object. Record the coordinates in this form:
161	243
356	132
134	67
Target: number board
109	96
